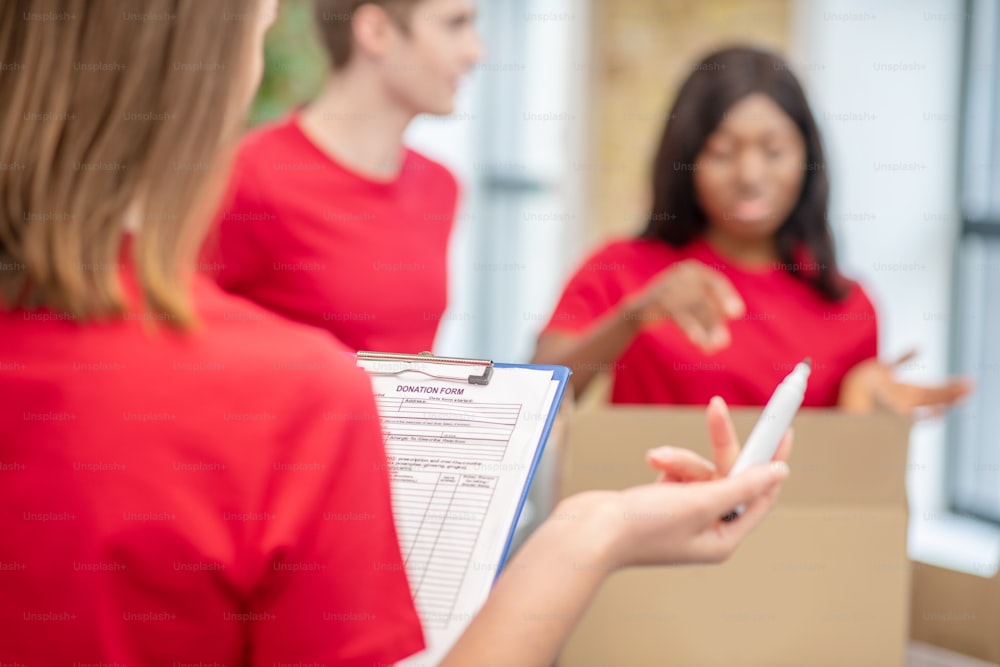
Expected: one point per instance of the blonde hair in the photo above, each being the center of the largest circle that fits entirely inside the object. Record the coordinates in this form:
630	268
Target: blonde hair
114	108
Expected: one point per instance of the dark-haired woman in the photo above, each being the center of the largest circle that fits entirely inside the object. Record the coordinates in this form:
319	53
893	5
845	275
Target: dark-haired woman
734	279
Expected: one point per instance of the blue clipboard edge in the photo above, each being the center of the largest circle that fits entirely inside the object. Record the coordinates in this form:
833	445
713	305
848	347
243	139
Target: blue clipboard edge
561	375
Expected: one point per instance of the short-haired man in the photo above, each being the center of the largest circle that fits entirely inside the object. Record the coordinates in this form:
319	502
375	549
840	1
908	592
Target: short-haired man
332	221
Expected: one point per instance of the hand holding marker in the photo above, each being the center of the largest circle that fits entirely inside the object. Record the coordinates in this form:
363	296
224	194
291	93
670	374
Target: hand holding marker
772	424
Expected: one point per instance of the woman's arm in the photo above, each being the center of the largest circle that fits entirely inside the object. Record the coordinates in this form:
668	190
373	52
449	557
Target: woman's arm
871	385
697	298
592	351
548	585
545	589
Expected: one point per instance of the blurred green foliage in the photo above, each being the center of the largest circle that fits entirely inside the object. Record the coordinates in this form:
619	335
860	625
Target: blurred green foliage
294	62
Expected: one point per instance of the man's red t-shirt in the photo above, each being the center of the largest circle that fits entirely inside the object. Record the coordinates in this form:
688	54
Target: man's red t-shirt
786	321
215	497
318	243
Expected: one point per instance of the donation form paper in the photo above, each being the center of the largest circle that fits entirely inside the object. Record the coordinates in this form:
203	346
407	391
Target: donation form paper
459	458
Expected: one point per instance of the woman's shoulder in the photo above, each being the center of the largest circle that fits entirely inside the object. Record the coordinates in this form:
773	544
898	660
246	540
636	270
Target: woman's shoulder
270	135
852	306
266	344
275	149
428	169
853	293
633	252
856	297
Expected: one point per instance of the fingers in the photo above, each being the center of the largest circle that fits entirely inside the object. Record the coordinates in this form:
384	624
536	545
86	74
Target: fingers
963	386
732	533
908	397
700	299
680	465
696	330
723	293
725	444
903	358
702	324
722	495
719	302
944	395
711	319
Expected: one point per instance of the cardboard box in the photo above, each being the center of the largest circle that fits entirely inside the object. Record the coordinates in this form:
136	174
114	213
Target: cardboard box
824	582
957	611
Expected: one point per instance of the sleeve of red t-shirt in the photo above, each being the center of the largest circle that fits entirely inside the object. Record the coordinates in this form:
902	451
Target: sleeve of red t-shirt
334	589
867	319
597	286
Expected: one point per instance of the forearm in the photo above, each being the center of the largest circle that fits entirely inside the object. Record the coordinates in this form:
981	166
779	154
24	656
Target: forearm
857	393
543	591
593	351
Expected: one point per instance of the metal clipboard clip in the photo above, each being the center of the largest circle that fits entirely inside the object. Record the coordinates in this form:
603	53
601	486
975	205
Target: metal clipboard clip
485	366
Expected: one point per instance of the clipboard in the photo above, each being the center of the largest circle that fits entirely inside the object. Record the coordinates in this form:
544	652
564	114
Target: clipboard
475	372
561	375
462	409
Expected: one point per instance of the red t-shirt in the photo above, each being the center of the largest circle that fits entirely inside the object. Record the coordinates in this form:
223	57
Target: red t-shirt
314	241
218	497
786	321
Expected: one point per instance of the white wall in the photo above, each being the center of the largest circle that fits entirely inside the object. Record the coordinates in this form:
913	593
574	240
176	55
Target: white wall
520	112
884	78
452	141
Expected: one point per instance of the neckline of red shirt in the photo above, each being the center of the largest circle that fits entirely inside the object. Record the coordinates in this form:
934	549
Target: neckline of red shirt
294	124
700	249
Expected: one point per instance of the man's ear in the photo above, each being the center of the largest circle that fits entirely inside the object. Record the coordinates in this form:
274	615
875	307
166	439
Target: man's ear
372	29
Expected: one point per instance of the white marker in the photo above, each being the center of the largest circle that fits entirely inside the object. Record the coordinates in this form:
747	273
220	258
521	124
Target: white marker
772	424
